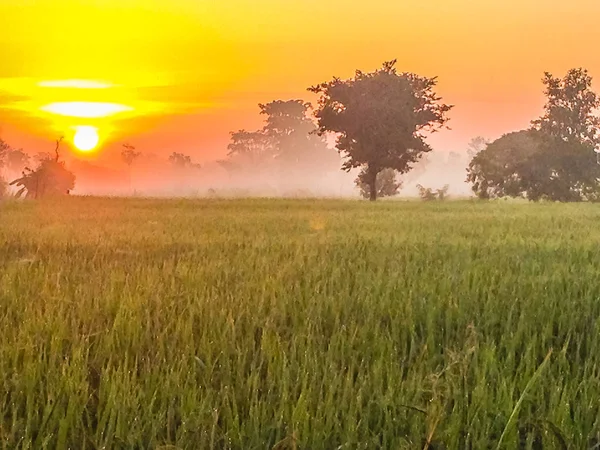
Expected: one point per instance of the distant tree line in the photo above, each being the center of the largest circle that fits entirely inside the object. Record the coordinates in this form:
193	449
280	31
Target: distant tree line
380	121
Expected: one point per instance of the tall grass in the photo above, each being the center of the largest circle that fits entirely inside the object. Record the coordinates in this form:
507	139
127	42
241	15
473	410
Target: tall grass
254	324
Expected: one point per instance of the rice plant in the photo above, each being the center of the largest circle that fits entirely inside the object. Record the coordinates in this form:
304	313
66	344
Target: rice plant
297	324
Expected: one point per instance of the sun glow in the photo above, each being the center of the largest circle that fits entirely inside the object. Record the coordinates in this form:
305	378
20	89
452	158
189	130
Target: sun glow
87	110
86	138
74	84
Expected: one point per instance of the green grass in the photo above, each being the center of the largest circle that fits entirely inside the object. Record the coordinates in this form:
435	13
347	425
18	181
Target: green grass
253	324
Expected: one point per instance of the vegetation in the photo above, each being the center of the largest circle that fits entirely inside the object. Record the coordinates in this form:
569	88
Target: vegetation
182	161
387	183
287	144
554	160
380	119
294	136
50	179
12	159
16	160
303	324
429	194
3	188
476	145
249	150
129	155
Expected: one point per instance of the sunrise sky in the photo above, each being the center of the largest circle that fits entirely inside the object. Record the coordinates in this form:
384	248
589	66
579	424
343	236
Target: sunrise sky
178	75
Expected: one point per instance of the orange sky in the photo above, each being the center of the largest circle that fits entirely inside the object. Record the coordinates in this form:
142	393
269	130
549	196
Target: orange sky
193	70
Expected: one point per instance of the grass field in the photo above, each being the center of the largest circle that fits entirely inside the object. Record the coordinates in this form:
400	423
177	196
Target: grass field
253	324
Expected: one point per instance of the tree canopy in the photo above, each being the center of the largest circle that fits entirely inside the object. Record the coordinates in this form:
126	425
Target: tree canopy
182	161
552	160
129	155
569	112
381	119
294	136
287	144
250	150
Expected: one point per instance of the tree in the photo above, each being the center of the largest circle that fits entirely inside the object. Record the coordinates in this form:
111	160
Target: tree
381	119
181	161
294	136
501	168
250	149
553	160
129	156
569	109
50	179
288	142
387	183
476	145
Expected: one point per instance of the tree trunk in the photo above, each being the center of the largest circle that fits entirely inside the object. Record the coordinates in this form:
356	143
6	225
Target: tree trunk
372	185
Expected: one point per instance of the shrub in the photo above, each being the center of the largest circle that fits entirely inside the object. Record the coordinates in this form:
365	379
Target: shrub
429	194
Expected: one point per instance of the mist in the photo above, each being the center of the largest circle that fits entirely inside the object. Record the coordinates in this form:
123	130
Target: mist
155	177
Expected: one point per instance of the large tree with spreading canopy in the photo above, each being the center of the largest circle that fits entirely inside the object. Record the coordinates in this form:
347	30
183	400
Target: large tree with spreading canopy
381	119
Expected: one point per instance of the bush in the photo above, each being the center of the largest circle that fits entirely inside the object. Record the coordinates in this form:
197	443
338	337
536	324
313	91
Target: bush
428	194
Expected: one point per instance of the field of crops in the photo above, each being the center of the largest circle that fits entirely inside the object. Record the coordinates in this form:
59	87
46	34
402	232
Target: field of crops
254	324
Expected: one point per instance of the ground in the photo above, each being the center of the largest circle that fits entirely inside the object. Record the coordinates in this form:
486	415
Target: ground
317	324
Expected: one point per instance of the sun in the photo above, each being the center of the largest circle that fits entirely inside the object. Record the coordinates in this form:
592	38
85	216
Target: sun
86	138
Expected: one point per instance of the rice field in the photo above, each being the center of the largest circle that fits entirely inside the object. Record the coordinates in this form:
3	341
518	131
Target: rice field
299	324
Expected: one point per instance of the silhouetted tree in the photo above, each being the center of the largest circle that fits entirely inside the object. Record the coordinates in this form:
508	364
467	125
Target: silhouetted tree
380	118
50	179
182	161
387	183
296	143
570	107
129	156
554	160
509	167
250	149
476	145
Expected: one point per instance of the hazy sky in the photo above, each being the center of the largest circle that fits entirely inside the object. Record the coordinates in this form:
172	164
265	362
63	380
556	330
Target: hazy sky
193	70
